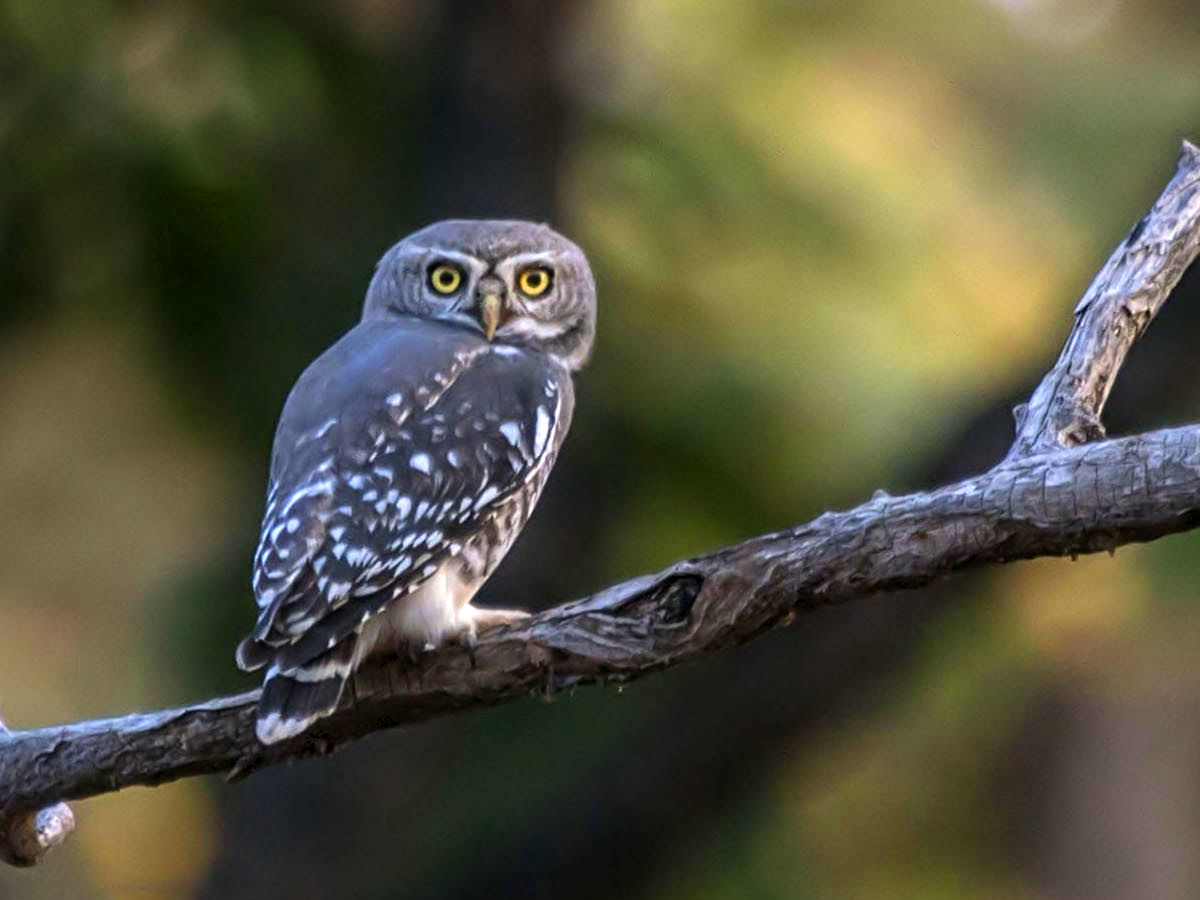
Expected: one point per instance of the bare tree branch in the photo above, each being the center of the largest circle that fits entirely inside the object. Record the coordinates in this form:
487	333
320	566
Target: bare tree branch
27	836
1051	497
1064	410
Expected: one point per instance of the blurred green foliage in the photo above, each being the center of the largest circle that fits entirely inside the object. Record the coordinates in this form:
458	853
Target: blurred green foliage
829	239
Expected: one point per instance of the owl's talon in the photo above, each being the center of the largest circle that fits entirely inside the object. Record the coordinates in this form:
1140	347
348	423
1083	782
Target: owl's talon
485	619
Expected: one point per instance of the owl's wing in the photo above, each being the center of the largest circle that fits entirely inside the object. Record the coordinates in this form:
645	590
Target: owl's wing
384	469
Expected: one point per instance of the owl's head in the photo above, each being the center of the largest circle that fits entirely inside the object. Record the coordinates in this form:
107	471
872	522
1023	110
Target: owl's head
512	282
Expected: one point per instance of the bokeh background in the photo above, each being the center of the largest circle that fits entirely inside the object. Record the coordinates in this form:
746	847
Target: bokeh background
835	243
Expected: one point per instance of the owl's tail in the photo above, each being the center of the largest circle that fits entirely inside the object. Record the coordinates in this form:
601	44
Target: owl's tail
293	697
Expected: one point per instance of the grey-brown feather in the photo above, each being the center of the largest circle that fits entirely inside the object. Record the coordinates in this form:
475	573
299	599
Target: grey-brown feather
411	444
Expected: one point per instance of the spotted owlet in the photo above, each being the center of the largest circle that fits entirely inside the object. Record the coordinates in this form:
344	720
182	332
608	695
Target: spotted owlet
410	454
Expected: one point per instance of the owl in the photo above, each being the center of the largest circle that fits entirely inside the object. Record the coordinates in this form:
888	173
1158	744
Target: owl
409	456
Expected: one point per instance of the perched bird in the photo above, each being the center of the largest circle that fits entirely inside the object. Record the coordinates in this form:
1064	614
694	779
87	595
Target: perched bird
410	454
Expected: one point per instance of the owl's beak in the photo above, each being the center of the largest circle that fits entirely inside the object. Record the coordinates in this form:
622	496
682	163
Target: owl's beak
491	304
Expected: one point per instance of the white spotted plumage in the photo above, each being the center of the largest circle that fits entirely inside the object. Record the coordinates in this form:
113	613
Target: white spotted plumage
407	459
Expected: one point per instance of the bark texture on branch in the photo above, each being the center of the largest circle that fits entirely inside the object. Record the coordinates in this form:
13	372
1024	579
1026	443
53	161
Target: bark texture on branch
1065	409
1051	497
26	835
1078	501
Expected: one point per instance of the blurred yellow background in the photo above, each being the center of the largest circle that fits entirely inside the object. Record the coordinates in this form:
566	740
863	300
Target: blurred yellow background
834	244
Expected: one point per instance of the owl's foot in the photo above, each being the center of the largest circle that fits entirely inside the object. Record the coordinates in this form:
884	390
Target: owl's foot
475	620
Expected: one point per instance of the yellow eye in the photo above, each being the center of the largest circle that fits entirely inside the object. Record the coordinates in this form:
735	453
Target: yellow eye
445	278
534	281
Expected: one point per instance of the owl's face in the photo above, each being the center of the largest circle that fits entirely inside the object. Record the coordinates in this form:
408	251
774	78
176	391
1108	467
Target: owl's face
513	282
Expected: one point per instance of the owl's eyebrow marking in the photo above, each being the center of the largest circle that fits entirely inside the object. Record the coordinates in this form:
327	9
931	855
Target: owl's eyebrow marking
533	257
468	261
536	256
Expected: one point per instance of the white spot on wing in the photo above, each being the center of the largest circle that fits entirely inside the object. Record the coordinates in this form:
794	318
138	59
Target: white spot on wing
317	433
319	489
421	462
542	431
511	432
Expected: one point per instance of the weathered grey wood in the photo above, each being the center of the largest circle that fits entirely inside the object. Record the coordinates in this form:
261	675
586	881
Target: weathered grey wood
1065	409
28	835
1082	500
1055	495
